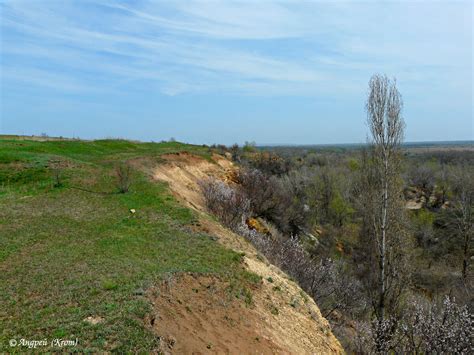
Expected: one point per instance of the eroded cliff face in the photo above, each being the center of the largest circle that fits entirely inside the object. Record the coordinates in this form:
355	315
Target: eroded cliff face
193	313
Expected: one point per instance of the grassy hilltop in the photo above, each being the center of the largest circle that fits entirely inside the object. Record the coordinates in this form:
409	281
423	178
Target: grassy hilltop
70	248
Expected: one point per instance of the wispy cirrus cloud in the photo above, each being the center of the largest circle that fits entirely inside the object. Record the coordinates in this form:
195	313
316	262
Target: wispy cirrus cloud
123	56
200	45
225	20
129	44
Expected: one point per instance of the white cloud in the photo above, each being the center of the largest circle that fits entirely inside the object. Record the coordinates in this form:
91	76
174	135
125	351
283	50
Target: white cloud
250	47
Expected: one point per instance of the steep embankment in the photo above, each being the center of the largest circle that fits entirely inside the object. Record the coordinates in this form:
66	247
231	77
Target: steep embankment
279	317
78	259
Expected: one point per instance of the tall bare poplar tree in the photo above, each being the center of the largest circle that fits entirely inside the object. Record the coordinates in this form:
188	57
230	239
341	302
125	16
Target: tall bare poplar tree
383	235
463	213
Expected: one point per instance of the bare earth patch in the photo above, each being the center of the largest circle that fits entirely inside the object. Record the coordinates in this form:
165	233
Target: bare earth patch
195	314
282	317
183	171
94	320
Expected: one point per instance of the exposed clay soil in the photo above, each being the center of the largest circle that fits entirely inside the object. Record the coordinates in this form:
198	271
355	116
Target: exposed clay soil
183	171
282	317
196	315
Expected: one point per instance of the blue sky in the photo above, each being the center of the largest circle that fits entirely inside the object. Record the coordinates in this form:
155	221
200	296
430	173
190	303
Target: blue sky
224	72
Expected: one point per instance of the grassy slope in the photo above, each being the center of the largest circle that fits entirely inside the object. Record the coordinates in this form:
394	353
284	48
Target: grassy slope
67	253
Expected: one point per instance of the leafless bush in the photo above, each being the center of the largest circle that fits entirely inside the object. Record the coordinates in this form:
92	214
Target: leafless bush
123	173
447	328
57	177
56	168
230	205
269	163
336	289
260	189
327	281
236	153
362	341
280	200
422	177
292	215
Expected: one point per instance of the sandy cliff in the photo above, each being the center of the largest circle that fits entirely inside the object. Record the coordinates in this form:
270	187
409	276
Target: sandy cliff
192	312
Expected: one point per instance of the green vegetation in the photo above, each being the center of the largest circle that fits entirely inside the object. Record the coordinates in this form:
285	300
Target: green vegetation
274	310
74	250
320	208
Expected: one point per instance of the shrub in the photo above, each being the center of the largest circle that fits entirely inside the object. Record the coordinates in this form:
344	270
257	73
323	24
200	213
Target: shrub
269	163
292	212
235	151
327	281
313	159
261	191
339	210
423	177
230	205
250	147
445	328
423	329
123	174
422	224
56	167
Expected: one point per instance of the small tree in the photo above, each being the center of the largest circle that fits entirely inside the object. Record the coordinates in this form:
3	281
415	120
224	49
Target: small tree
235	151
230	205
326	193
260	190
339	210
443	183
123	174
56	168
422	177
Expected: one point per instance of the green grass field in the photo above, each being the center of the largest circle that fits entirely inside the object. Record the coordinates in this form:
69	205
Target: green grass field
72	251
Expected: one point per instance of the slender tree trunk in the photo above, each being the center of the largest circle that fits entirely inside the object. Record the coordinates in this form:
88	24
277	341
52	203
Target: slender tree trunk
464	217
383	246
465	255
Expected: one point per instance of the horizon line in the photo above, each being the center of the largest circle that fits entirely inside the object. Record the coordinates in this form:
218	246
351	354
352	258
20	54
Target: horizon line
260	145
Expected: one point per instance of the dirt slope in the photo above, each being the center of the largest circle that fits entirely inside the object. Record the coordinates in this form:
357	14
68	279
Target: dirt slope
282	319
